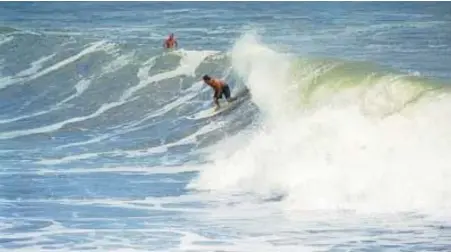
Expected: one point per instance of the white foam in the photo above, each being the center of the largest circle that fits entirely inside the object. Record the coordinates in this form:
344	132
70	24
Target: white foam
59	125
6	39
35	66
265	73
190	139
188	64
189	94
9	120
118	63
120	169
33	74
81	86
90	141
190	61
183	10
335	156
67	159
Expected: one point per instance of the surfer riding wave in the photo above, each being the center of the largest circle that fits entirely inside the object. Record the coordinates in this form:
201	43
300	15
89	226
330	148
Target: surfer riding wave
220	88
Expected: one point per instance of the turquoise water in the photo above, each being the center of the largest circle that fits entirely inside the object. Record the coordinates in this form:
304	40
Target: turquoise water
343	145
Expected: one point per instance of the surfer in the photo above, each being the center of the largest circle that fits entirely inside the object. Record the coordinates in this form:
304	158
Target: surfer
170	42
220	88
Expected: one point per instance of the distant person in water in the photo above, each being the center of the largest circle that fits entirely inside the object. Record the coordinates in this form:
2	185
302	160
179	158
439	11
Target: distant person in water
220	88
170	42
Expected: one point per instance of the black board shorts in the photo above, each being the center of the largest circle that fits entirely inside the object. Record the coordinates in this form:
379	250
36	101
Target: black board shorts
225	92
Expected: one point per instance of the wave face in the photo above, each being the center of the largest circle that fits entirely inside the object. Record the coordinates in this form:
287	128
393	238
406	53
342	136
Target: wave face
342	144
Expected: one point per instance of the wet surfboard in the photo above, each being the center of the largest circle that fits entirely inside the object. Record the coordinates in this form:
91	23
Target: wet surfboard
238	99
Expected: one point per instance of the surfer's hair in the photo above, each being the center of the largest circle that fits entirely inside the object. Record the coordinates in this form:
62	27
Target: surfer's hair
206	77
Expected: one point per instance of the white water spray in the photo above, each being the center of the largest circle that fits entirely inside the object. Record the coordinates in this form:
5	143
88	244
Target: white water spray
334	157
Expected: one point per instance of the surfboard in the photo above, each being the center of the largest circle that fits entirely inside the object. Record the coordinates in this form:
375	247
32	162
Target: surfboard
225	106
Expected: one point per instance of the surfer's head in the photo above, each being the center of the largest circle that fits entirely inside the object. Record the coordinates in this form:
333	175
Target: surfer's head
206	78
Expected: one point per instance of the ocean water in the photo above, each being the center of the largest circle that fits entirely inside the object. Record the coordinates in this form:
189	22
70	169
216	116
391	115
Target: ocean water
343	144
